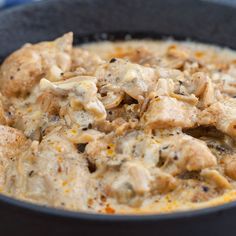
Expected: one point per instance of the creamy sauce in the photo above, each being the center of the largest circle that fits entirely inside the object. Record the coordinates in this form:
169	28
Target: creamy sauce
135	127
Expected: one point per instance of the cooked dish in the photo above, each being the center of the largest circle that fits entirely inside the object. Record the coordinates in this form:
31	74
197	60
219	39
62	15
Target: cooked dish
133	127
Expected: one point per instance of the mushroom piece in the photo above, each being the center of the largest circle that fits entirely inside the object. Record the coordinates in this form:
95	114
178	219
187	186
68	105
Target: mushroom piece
197	84
112	98
213	176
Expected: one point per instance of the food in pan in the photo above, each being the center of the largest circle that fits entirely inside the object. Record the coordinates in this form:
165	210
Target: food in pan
132	127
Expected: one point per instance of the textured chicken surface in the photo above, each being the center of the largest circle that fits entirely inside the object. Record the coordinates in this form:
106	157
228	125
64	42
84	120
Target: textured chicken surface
131	127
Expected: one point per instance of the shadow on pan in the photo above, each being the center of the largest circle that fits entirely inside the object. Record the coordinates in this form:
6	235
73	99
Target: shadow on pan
205	21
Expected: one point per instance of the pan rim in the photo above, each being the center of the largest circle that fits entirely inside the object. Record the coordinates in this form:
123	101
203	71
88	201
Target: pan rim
86	216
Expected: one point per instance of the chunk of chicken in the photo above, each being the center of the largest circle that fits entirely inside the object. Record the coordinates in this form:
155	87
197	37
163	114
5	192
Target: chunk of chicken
184	153
85	60
132	180
12	143
230	167
222	115
165	112
56	174
133	79
139	146
82	91
163	182
23	69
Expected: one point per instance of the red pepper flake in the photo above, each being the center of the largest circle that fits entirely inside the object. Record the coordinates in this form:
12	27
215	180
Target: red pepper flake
109	210
103	198
59	169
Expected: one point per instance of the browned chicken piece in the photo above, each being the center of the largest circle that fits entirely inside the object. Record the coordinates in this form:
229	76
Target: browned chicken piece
185	153
23	69
55	173
12	143
222	115
165	112
133	79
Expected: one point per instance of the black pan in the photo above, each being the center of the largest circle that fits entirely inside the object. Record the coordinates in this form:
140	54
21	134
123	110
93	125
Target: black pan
205	21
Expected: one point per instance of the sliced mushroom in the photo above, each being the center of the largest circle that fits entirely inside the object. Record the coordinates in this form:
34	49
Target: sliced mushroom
112	98
197	84
213	176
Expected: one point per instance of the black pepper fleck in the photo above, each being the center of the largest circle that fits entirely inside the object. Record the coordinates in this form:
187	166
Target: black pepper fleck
205	188
31	173
81	147
112	60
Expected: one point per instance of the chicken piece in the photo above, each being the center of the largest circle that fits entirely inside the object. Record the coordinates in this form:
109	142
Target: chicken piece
163	182
23	69
185	153
230	167
133	79
139	146
60	175
213	176
132	180
85	60
82	91
166	112
12	143
222	115
228	82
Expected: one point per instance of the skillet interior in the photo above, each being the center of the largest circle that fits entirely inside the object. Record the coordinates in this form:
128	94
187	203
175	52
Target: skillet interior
198	20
